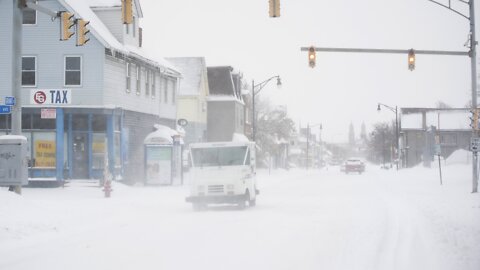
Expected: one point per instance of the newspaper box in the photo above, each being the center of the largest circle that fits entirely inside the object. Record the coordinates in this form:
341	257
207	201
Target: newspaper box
13	160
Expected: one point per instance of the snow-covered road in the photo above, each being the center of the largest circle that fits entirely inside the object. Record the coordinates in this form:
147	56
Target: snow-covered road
303	220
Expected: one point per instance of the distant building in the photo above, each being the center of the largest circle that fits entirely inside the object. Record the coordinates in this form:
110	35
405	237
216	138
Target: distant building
422	128
108	93
192	96
226	114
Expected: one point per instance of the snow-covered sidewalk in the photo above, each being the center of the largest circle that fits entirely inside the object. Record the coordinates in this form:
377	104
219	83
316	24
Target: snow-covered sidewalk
304	220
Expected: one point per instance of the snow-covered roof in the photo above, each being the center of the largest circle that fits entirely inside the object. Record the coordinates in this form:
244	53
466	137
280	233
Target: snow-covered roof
163	135
192	69
113	3
238	137
224	98
82	9
12	138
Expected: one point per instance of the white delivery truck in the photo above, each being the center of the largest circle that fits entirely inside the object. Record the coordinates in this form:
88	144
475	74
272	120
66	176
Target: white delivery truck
222	173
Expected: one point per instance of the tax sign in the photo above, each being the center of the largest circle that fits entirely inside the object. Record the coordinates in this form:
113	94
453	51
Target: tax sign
56	97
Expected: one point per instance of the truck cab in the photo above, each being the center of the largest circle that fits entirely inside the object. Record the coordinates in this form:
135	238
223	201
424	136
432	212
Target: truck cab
222	173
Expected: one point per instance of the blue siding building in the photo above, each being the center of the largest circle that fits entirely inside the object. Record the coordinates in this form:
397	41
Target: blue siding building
82	104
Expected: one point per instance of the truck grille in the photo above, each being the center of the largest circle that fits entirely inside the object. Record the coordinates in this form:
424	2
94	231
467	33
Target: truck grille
215	189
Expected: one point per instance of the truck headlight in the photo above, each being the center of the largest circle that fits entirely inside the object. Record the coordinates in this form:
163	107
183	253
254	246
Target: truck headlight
230	187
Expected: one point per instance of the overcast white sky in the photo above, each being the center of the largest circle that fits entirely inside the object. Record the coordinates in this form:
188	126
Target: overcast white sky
342	88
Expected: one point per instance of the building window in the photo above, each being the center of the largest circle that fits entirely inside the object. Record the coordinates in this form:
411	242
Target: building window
147	82
29	16
139	70
73	70
162	86
448	139
173	92
129	78
165	98
29	71
133	27
154	80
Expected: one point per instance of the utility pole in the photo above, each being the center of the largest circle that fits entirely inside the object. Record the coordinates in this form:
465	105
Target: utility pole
16	65
17	20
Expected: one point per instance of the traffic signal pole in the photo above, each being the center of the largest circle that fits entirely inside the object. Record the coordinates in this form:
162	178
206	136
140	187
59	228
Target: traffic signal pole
388	51
473	62
472	53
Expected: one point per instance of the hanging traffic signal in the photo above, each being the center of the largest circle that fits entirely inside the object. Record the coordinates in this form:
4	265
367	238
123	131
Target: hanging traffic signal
411	60
127	11
311	57
274	8
66	24
82	32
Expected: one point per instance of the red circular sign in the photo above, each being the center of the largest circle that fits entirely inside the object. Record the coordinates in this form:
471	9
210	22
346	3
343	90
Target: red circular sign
40	97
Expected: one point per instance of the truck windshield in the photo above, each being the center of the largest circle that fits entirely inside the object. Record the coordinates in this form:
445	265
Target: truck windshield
219	156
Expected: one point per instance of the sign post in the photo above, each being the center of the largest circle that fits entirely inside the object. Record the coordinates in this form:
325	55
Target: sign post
438	152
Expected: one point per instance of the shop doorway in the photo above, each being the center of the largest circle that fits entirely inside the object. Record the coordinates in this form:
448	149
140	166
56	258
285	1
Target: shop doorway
80	156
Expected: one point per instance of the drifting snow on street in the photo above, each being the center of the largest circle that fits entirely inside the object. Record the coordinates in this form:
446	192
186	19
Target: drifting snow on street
315	219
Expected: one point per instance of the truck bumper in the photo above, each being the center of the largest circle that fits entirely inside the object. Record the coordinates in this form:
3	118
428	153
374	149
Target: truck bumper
216	199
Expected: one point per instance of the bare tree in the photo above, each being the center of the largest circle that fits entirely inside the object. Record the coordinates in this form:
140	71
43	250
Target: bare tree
381	143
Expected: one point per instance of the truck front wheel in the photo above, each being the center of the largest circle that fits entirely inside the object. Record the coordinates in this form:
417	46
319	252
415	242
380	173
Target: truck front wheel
199	206
252	202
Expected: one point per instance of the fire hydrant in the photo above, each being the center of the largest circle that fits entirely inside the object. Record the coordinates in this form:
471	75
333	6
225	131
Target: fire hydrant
107	188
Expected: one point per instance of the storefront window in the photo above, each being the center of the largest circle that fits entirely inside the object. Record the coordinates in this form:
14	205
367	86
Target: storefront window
99	122
39	123
80	122
98	150
26	121
44	150
4	121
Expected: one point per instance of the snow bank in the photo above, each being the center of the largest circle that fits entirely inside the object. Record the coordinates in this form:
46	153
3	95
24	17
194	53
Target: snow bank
460	156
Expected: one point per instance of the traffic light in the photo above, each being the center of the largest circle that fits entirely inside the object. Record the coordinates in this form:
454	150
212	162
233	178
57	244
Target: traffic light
411	60
66	24
127	11
474	119
311	56
82	32
274	8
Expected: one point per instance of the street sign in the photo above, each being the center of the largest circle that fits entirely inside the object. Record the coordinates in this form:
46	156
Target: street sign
475	144
48	113
4	109
10	101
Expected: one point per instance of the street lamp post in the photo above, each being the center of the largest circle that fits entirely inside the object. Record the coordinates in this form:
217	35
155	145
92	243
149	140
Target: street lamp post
259	88
394	110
